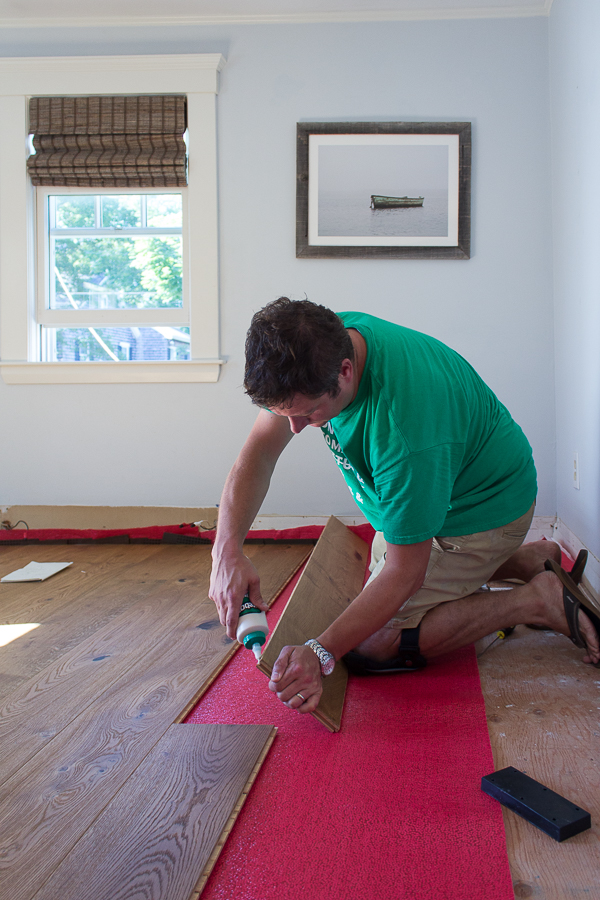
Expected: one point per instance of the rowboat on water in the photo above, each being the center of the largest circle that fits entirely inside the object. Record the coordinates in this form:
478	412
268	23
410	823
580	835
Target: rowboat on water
380	202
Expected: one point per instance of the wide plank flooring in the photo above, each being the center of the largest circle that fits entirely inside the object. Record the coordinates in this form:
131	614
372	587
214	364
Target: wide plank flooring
126	643
119	657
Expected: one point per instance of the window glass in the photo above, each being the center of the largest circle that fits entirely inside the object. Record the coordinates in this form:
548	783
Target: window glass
116	343
115	251
75	211
121	212
116	272
164	210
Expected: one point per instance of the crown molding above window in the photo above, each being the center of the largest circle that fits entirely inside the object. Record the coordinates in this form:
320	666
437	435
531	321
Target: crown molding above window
161	74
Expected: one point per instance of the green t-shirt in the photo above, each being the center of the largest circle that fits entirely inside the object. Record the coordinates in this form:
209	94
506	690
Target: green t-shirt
426	447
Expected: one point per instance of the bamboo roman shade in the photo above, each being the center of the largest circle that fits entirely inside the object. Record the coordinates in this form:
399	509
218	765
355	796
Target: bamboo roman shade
108	141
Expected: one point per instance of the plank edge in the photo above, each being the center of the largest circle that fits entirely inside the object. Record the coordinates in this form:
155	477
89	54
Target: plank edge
200	885
233	650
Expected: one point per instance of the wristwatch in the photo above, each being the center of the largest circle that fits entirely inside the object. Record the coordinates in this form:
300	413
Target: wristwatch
326	659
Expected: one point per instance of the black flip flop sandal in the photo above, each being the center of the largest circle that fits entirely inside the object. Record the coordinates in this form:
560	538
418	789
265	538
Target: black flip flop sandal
573	601
576	574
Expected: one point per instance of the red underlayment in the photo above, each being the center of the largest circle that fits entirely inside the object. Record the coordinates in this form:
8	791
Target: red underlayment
158	532
390	808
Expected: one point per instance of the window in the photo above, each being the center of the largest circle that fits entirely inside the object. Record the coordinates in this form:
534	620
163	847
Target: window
97	283
116	252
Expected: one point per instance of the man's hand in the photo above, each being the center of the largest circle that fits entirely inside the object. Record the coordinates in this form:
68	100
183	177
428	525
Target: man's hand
297	670
233	577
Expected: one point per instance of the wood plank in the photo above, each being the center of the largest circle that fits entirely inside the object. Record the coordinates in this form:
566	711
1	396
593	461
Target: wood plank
276	564
48	804
333	577
69	607
159	834
92	565
542	710
41	707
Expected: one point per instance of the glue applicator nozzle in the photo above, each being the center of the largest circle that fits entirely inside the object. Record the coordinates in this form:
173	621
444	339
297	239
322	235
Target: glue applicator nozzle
256	649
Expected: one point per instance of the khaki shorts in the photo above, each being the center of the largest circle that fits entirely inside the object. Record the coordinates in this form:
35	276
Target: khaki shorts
458	566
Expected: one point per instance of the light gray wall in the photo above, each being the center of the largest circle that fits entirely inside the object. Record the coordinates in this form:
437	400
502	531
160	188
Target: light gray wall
174	444
575	105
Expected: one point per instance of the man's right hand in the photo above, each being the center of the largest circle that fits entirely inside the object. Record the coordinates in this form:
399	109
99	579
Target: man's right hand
233	577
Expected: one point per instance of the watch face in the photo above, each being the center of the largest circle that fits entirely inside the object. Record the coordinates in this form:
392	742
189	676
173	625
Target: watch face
326	659
328	667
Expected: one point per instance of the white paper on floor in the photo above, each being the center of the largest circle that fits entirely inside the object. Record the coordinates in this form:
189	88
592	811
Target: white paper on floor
35	571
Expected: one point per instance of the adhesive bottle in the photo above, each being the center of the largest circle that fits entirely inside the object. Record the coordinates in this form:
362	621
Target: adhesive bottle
252	627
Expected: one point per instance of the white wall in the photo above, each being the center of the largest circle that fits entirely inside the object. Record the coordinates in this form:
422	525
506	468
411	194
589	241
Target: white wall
173	444
575	116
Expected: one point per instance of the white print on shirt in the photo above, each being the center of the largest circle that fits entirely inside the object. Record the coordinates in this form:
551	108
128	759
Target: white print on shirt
341	458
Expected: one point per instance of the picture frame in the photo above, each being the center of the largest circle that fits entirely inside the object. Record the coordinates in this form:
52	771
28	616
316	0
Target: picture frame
423	170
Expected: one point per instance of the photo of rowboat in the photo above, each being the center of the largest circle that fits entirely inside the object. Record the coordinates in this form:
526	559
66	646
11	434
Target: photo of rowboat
378	201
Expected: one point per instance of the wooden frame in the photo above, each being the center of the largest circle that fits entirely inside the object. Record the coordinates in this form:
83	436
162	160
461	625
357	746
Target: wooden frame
333	221
195	75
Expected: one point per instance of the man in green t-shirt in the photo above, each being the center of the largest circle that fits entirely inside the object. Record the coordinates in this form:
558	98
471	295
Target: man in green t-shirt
435	463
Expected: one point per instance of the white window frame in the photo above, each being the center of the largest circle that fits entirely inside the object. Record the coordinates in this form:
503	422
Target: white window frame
195	75
56	318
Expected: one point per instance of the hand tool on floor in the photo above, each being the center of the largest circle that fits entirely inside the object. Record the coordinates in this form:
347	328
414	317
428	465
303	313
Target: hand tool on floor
500	636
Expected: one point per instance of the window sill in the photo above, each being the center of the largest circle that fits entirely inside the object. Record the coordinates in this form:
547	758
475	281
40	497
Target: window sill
111	372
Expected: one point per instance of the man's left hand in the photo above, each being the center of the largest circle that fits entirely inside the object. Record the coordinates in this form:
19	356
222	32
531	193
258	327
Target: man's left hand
296	678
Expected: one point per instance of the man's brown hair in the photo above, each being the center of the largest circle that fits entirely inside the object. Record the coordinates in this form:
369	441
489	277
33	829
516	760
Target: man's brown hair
294	347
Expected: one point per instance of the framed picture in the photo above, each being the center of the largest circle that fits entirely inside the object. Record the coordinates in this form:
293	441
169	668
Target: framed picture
383	189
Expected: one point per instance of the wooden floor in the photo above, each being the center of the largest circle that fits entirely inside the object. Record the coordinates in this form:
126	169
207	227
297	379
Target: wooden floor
64	680
123	643
543	711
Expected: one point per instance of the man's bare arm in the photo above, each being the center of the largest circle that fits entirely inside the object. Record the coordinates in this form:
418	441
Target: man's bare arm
233	575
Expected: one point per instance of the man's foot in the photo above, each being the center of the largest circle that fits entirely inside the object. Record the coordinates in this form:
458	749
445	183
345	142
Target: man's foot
528	561
550	611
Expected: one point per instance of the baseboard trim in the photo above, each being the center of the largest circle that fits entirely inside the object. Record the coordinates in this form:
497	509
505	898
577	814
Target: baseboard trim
572	544
101	517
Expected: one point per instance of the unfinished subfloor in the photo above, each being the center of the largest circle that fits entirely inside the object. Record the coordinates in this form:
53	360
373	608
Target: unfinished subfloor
543	703
543	711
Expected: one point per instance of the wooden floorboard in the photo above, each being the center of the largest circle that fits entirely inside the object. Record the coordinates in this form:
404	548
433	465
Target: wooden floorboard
86	753
45	704
157	836
333	577
277	568
91	583
68	607
542	706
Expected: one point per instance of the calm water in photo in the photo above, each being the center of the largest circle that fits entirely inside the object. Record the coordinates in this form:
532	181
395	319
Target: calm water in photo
349	214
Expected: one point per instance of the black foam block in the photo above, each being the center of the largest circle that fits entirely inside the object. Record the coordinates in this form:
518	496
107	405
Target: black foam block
541	806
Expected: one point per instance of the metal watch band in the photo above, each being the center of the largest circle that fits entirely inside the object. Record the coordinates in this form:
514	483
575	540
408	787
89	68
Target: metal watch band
326	659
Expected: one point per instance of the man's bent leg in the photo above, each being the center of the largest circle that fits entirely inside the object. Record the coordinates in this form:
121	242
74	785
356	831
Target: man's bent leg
458	566
460	622
528	561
